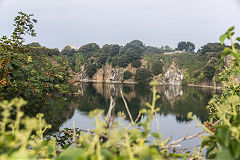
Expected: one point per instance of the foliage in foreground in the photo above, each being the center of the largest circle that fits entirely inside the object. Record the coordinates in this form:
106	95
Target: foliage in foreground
22	137
223	141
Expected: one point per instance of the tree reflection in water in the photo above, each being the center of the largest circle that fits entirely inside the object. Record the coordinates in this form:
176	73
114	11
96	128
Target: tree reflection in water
174	100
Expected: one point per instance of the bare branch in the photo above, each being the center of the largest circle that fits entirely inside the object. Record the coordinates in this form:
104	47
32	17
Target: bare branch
109	114
157	122
74	133
186	137
125	103
139	115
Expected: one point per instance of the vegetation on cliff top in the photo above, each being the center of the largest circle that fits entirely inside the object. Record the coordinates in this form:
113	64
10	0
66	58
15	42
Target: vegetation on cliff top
198	67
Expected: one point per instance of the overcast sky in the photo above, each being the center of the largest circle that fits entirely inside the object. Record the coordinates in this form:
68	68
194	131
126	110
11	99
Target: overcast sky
155	22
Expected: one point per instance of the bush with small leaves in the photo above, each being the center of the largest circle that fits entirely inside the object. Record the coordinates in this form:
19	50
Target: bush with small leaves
127	74
91	70
157	67
209	72
136	63
143	75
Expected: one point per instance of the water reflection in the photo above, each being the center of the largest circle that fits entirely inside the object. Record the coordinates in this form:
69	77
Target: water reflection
174	101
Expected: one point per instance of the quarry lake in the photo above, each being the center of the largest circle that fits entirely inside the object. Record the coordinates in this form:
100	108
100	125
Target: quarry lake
175	102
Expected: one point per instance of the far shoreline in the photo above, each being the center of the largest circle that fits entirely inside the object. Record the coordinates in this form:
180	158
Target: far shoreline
133	82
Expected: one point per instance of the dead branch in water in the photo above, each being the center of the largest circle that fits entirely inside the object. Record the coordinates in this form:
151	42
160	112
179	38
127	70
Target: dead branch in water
125	103
186	137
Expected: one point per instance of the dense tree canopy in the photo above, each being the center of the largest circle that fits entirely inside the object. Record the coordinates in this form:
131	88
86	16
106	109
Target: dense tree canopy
143	75
127	74
187	46
91	70
157	67
209	72
211	47
110	50
34	44
68	50
135	45
136	63
153	50
89	48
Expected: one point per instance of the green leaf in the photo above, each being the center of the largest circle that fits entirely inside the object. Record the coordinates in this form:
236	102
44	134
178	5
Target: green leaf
231	29
51	79
51	86
238	39
236	72
222	38
234	54
224	154
235	148
223	135
236	122
9	66
226	52
73	154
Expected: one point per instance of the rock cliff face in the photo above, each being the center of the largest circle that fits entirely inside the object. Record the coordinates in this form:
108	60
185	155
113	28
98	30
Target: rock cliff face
171	75
104	74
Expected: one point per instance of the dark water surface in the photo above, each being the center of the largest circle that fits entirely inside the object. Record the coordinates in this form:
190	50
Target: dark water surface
175	102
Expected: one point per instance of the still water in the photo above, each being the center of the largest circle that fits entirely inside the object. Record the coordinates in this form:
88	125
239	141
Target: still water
175	102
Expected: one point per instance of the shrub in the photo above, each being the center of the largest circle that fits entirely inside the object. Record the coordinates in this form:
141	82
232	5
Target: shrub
157	67
91	70
196	73
127	75
123	61
34	44
209	72
143	75
211	47
136	64
89	48
114	61
68	50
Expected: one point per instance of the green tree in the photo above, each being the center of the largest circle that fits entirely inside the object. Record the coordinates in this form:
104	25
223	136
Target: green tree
123	61
89	48
29	71
135	45
34	44
153	50
110	50
53	51
143	75
209	71
127	74
187	46
91	70
101	60
182	46
211	47
157	67
136	63
13	57
115	61
190	47
68	50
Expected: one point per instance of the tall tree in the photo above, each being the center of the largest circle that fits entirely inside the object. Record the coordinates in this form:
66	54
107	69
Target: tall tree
68	50
187	46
